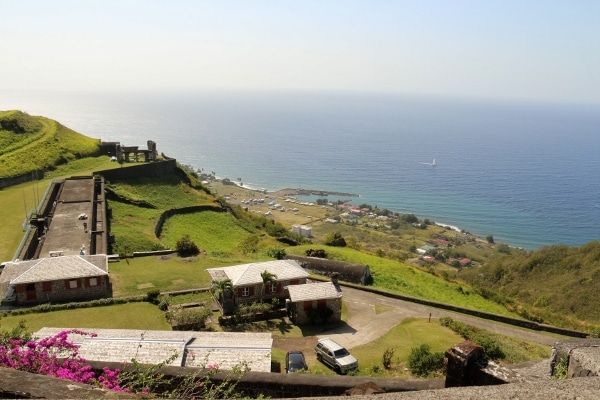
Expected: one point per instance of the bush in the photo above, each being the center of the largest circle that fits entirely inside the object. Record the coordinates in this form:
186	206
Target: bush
334	239
186	247
319	253
278	254
422	362
152	296
387	358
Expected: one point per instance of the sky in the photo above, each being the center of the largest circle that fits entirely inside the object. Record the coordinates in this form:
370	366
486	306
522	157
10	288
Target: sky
525	49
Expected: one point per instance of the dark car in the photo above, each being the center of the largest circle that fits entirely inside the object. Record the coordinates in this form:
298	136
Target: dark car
294	362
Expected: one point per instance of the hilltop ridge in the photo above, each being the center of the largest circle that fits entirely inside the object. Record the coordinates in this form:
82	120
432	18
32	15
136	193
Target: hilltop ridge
30	143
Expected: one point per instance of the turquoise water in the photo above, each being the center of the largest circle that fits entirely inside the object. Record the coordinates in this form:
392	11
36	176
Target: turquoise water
525	173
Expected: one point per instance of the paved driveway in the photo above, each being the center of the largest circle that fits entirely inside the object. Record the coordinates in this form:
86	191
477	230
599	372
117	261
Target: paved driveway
365	325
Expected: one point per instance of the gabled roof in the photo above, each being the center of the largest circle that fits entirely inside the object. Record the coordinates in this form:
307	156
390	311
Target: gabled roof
249	274
313	291
55	268
227	349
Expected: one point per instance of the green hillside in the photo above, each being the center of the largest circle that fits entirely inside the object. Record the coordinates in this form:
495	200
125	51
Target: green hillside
557	284
29	143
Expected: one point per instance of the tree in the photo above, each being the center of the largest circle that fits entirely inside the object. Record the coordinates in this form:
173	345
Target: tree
335	239
268	278
490	239
223	291
186	247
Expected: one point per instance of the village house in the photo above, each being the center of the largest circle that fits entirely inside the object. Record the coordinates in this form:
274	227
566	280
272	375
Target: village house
312	302
247	281
56	279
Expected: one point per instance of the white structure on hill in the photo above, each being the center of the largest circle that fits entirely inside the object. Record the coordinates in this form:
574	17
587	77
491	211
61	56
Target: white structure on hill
302	230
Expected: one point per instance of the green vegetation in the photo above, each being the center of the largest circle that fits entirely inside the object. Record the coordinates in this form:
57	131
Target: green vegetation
497	347
410	280
29	144
411	332
422	362
557	284
186	247
135	276
138	315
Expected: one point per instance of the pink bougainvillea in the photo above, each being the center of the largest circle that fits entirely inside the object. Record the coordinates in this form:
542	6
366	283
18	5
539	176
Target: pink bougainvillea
55	356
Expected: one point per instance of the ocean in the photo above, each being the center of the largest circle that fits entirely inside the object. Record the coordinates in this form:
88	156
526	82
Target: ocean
526	173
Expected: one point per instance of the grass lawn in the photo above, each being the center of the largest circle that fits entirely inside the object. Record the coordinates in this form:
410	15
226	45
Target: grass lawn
211	231
410	333
138	275
136	315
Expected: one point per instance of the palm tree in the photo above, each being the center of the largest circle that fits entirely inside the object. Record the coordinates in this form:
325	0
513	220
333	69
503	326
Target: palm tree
223	291
268	278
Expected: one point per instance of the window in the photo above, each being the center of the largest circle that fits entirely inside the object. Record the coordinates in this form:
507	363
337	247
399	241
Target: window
73	284
273	287
93	281
30	287
245	291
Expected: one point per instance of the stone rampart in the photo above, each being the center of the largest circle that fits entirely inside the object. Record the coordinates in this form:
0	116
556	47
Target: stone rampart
156	169
15	180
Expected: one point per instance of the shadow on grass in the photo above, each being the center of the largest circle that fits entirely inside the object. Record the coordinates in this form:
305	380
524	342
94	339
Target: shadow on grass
328	327
281	325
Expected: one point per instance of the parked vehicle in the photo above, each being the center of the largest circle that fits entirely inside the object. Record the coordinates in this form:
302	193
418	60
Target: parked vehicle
295	361
336	356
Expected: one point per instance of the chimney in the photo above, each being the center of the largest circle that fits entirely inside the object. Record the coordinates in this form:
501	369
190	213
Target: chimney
334	279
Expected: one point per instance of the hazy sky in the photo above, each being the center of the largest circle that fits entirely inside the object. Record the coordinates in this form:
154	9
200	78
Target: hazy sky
524	49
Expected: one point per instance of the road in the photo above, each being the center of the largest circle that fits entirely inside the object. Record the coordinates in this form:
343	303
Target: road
365	325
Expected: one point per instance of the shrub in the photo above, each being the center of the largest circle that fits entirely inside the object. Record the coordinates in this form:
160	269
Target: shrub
334	239
387	358
561	368
152	296
278	254
186	247
319	253
422	362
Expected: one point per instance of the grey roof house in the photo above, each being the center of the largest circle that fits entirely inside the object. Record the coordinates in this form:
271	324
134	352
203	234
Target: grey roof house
56	279
247	281
192	349
308	303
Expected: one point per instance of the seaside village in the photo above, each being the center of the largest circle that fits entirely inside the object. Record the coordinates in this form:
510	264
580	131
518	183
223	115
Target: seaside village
64	258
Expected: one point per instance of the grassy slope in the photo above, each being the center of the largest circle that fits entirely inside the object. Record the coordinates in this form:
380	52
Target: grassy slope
407	279
39	143
559	284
